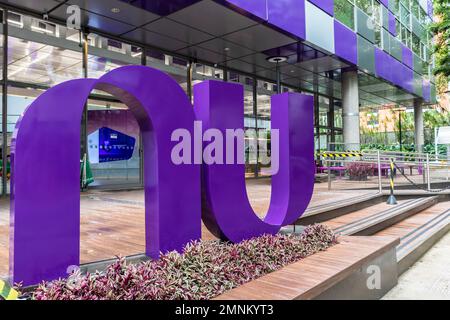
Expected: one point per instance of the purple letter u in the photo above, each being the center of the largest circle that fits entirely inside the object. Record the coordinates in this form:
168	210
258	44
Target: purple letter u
226	210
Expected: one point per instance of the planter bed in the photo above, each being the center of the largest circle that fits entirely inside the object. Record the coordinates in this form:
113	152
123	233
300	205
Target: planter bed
347	270
205	270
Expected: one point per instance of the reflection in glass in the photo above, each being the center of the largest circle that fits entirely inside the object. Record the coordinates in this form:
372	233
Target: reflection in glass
38	63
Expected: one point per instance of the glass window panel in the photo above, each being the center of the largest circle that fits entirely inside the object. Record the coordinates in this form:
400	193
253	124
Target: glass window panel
42	64
18	100
264	93
105	120
377	12
1	56
324	110
415	8
337	116
404	15
398	28
344	12
395	7
404	35
415	44
365	5
377	31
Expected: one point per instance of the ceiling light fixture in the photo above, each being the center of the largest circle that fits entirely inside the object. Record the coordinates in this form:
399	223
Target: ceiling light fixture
277	59
36	28
115	10
17	23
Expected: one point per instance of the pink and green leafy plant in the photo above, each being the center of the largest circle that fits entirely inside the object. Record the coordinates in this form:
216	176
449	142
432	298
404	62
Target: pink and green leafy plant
204	270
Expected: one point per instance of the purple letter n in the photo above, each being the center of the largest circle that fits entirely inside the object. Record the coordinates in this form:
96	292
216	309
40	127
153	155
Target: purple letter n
45	200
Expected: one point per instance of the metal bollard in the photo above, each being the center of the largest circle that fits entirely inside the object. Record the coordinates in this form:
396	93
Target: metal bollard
391	200
380	185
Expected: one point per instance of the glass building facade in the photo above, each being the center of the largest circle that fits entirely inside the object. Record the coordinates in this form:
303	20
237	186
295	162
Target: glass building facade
38	53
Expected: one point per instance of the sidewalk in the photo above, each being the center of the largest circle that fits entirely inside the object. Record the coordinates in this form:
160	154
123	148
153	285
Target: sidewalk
428	278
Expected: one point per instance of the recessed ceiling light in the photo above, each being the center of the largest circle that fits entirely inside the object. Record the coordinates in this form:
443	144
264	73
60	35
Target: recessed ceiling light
227	49
277	59
115	10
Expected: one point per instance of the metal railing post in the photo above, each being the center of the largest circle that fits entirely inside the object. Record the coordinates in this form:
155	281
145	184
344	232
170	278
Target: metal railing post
329	175
428	172
380	186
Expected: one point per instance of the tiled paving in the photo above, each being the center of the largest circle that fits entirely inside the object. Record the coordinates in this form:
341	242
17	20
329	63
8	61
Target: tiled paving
428	278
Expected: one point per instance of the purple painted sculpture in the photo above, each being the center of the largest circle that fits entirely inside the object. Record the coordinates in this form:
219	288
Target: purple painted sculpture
226	210
45	195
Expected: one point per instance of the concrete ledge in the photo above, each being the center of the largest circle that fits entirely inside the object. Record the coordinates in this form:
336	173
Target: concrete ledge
341	272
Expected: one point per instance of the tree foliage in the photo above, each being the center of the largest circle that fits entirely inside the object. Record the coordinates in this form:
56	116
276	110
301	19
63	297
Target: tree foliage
441	30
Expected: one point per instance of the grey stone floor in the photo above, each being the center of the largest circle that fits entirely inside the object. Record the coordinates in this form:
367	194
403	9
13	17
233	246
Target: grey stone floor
428	278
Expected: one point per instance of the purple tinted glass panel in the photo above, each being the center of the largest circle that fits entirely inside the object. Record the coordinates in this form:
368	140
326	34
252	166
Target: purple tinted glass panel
226	208
45	201
255	7
393	70
295	52
430	9
408	79
288	15
325	5
162	7
345	43
392	23
407	56
386	3
382	65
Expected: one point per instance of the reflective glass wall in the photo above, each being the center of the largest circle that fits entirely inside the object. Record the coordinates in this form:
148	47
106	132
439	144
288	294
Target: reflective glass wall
42	54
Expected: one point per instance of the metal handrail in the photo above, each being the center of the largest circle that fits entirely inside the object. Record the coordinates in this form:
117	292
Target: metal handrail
412	159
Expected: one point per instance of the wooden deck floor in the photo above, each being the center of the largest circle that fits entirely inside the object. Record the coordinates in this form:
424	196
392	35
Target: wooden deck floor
112	223
356	215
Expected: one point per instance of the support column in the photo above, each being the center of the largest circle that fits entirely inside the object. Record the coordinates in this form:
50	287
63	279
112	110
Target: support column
84	120
419	139
350	112
4	129
189	75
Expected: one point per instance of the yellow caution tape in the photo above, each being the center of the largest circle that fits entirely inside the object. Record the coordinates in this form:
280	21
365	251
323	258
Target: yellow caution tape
7	292
346	154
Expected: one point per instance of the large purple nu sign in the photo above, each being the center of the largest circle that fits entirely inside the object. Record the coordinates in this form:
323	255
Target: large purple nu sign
45	195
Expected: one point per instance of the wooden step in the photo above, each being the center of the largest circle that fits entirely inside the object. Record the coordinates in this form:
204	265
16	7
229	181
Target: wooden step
330	210
371	224
417	242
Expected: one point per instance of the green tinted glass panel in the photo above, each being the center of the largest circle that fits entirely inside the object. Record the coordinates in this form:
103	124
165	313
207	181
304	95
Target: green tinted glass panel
343	11
365	5
365	25
396	49
366	55
416	44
